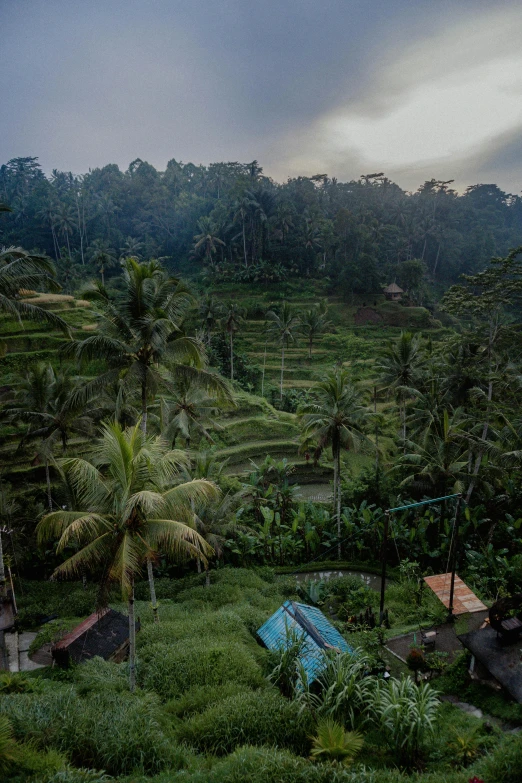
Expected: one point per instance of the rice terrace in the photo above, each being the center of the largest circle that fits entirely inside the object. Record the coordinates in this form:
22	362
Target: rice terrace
260	425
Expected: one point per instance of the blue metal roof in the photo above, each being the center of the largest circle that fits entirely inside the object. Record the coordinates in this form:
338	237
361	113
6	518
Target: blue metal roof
317	632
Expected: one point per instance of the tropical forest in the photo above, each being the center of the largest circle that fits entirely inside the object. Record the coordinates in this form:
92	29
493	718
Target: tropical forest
245	428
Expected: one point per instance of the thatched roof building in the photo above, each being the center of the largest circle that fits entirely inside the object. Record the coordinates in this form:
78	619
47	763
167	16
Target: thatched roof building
393	292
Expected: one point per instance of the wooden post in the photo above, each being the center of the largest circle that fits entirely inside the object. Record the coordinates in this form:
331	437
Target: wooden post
453	557
383	572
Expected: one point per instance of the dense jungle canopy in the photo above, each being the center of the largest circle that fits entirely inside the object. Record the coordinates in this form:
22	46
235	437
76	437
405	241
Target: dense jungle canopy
239	225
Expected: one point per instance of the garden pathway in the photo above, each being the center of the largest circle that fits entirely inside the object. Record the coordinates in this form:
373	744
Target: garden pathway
17	645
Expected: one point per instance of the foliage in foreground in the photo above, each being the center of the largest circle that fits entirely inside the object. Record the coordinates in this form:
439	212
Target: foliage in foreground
261	718
334	744
116	732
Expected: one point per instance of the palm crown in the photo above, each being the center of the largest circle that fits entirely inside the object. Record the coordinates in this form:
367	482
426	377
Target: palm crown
126	510
281	326
141	329
336	418
21	270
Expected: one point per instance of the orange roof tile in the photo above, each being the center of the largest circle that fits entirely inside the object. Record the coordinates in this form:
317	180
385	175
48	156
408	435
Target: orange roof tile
464	600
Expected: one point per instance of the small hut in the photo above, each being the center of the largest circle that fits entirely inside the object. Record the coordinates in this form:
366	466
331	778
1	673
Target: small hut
312	626
105	634
393	292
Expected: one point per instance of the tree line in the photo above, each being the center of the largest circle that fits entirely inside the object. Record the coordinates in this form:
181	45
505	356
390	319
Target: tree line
233	223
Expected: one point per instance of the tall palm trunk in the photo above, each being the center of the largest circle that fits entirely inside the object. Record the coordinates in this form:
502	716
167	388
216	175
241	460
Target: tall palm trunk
231	356
80	229
152	588
150	574
244	243
144	407
207	575
55	243
336	453
282	369
376	434
2	568
48	482
310	348
485	429
263	376
132	641
68	244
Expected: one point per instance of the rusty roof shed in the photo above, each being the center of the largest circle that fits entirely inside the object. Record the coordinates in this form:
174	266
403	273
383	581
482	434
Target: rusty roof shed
104	634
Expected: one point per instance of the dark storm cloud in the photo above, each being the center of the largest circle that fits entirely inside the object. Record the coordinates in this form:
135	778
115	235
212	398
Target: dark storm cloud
86	83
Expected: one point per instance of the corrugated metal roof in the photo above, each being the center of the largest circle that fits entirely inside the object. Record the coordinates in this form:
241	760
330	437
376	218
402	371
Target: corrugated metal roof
80	629
318	633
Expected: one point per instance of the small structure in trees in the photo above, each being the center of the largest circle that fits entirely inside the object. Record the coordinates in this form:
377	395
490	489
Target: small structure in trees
393	292
311	625
104	634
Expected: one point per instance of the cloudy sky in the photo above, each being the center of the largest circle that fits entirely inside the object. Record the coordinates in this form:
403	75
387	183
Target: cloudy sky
414	88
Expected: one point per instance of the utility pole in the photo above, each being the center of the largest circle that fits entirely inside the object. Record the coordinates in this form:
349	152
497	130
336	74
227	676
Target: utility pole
453	557
383	571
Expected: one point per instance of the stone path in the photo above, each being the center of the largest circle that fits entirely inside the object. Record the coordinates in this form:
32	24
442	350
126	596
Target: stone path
446	639
17	646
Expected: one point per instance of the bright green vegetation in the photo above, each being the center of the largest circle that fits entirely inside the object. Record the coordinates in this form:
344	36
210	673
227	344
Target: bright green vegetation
171	445
206	709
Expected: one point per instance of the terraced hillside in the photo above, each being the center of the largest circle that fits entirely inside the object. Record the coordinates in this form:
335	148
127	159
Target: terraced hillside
254	428
246	438
353	342
23	343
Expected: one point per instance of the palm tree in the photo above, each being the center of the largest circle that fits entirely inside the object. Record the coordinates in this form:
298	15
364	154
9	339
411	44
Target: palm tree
206	242
282	327
65	220
125	514
312	323
242	207
232	320
48	214
215	522
209	311
336	418
140	330
102	256
46	401
21	270
186	412
438	460
131	249
399	369
283	220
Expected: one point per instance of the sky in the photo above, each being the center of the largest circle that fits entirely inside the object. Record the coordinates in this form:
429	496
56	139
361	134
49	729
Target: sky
412	88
